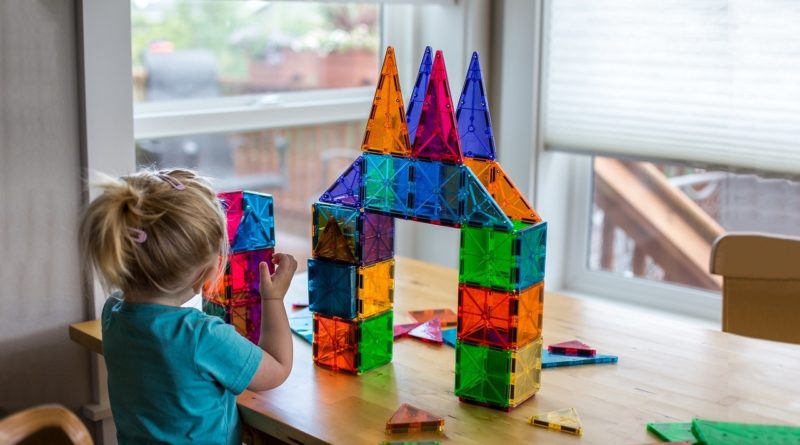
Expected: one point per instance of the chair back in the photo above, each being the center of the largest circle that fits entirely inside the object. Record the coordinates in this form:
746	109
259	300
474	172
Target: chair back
22	425
761	285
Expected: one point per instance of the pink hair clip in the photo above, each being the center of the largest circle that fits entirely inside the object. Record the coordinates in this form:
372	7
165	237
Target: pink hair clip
137	235
171	181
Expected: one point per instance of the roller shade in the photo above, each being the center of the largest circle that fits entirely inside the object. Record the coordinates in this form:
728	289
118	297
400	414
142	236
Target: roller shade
712	82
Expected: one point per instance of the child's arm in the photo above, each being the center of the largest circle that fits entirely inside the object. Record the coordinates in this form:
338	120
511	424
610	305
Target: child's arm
276	338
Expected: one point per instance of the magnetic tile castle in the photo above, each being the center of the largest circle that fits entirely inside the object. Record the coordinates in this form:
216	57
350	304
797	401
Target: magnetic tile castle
436	164
251	240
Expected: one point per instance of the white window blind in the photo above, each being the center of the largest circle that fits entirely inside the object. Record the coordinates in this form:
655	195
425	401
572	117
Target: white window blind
715	82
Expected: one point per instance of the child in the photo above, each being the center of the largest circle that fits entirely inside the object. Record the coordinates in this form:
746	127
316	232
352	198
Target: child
174	372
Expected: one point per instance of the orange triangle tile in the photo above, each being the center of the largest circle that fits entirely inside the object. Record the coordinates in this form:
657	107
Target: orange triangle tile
387	131
483	169
510	199
333	244
503	190
409	419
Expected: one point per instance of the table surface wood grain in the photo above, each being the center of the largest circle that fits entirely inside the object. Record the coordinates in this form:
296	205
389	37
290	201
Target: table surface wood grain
668	371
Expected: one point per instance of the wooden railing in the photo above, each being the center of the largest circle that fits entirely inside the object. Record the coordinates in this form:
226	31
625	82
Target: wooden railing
664	224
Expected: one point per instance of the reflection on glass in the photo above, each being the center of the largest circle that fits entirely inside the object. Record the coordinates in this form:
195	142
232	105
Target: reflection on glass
658	221
293	164
198	49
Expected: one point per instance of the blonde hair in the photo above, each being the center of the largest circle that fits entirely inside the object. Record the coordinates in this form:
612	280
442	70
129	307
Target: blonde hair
154	231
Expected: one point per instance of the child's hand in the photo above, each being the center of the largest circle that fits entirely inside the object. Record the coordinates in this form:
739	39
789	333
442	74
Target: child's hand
274	287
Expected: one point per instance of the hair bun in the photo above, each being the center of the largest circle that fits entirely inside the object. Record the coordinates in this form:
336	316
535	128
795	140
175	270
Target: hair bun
125	198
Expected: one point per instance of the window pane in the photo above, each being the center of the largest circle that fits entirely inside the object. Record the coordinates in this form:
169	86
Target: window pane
658	221
198	49
294	164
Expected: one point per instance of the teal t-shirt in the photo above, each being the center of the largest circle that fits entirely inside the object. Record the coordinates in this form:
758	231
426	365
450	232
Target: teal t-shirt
174	373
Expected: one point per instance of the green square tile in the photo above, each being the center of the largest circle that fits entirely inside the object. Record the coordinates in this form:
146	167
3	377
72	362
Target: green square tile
376	336
487	258
503	260
377	185
483	374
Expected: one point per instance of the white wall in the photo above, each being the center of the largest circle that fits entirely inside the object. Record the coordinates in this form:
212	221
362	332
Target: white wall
40	197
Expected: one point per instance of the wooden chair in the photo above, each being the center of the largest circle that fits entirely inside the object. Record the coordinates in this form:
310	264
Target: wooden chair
761	285
22	425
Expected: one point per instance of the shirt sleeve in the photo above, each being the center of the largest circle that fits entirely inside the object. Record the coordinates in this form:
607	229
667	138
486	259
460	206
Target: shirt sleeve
111	302
225	356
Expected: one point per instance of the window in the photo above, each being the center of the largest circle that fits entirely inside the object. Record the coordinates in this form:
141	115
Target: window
295	164
200	49
682	119
658	221
267	96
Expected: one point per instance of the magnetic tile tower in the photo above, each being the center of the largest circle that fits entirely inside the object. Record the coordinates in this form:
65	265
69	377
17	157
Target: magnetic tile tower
251	240
433	165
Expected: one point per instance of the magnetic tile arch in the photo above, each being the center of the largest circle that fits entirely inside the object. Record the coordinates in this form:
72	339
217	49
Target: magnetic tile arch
433	181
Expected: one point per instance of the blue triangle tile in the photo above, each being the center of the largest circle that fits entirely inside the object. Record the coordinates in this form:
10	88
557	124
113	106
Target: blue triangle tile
418	94
346	190
472	115
251	234
262	208
479	208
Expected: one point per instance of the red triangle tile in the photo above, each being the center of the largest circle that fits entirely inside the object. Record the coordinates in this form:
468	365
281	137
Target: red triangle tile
409	419
401	330
430	331
572	347
437	134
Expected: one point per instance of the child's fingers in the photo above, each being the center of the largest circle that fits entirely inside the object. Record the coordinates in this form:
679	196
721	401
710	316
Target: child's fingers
287	265
279	257
263	270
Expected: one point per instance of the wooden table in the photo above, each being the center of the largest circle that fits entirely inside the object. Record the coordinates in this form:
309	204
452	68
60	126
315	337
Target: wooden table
668	371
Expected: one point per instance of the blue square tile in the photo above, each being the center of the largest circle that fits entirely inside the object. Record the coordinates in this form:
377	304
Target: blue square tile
332	288
436	191
532	249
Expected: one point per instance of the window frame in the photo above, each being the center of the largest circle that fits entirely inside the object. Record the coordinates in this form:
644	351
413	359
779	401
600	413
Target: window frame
250	112
261	111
